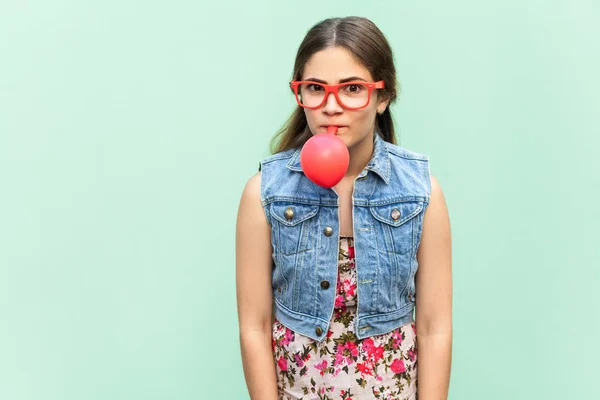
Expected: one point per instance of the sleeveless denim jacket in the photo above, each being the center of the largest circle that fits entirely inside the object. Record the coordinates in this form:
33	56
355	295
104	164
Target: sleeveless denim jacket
388	203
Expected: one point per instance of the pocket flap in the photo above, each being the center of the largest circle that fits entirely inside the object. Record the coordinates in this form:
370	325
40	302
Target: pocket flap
296	214
395	214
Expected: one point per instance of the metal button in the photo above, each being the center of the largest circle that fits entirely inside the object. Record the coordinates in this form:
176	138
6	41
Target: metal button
410	296
328	231
289	214
325	284
319	331
395	214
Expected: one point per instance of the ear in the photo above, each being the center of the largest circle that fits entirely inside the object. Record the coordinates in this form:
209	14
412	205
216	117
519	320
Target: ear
383	103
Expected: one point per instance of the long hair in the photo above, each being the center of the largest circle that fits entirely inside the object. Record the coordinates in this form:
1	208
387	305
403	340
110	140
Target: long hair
367	43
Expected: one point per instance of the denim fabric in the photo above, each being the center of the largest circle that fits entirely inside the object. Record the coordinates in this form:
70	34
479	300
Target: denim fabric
388	203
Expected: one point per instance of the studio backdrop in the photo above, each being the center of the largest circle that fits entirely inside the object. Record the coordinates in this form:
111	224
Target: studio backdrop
128	130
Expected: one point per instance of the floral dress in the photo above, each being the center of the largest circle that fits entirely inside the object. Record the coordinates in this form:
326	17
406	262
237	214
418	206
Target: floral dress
342	366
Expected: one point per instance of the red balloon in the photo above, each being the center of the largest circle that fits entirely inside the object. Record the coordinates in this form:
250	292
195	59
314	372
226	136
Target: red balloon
324	158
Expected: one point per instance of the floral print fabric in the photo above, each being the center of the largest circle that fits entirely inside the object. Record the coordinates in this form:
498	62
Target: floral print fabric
342	366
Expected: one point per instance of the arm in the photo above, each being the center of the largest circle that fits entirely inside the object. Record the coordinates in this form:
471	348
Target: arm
434	300
253	291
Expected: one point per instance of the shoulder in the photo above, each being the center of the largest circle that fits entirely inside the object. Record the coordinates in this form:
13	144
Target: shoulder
410	169
437	209
251	205
397	151
436	188
253	183
281	156
274	171
251	191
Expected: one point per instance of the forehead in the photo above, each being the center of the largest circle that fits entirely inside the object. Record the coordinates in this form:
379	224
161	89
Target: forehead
334	63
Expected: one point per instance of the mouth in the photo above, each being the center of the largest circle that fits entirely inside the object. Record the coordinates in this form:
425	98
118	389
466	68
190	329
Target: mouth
323	128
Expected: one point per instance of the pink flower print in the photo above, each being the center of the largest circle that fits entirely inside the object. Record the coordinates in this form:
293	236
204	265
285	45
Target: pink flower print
339	311
377	353
379	378
289	335
282	362
365	368
285	336
345	352
352	347
339	301
349	287
339	357
414	327
398	366
321	367
412	354
278	331
350	252
397	339
298	359
373	352
368	344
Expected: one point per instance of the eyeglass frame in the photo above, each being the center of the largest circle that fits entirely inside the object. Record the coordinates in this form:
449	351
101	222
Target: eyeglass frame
334	89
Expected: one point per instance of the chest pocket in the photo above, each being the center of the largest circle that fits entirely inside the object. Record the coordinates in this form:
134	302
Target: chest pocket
399	224
293	223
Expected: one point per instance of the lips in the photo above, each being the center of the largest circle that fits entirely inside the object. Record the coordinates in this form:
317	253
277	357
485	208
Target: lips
323	128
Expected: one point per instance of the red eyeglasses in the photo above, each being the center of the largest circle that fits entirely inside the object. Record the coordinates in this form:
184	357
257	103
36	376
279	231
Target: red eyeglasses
350	95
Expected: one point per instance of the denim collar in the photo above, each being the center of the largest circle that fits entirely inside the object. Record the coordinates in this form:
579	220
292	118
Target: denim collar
379	163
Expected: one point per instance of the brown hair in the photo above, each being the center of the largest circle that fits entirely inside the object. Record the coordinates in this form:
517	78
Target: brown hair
367	43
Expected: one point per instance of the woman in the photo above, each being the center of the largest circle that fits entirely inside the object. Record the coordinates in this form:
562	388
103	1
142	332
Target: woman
327	278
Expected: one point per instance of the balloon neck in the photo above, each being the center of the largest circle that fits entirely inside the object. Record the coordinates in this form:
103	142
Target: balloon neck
332	129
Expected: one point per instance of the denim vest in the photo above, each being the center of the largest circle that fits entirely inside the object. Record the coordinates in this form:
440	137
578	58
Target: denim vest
388	203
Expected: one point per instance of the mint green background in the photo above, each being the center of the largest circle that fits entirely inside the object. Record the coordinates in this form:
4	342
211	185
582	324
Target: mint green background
128	130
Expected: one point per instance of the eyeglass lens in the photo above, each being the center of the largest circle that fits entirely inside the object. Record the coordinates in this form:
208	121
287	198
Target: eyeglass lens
351	95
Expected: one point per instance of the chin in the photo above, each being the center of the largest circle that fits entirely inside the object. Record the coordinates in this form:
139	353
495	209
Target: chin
347	141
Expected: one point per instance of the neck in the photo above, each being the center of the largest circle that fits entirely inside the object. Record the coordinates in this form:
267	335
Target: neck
360	155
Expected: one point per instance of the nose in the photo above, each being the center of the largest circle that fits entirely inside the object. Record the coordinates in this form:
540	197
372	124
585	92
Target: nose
331	105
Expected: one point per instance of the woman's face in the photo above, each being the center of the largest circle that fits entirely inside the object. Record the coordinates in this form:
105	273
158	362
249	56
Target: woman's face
331	66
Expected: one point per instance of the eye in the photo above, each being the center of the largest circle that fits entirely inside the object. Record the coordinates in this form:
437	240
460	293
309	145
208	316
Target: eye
354	88
314	87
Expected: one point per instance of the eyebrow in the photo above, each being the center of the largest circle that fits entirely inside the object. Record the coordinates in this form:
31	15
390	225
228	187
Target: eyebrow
352	78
